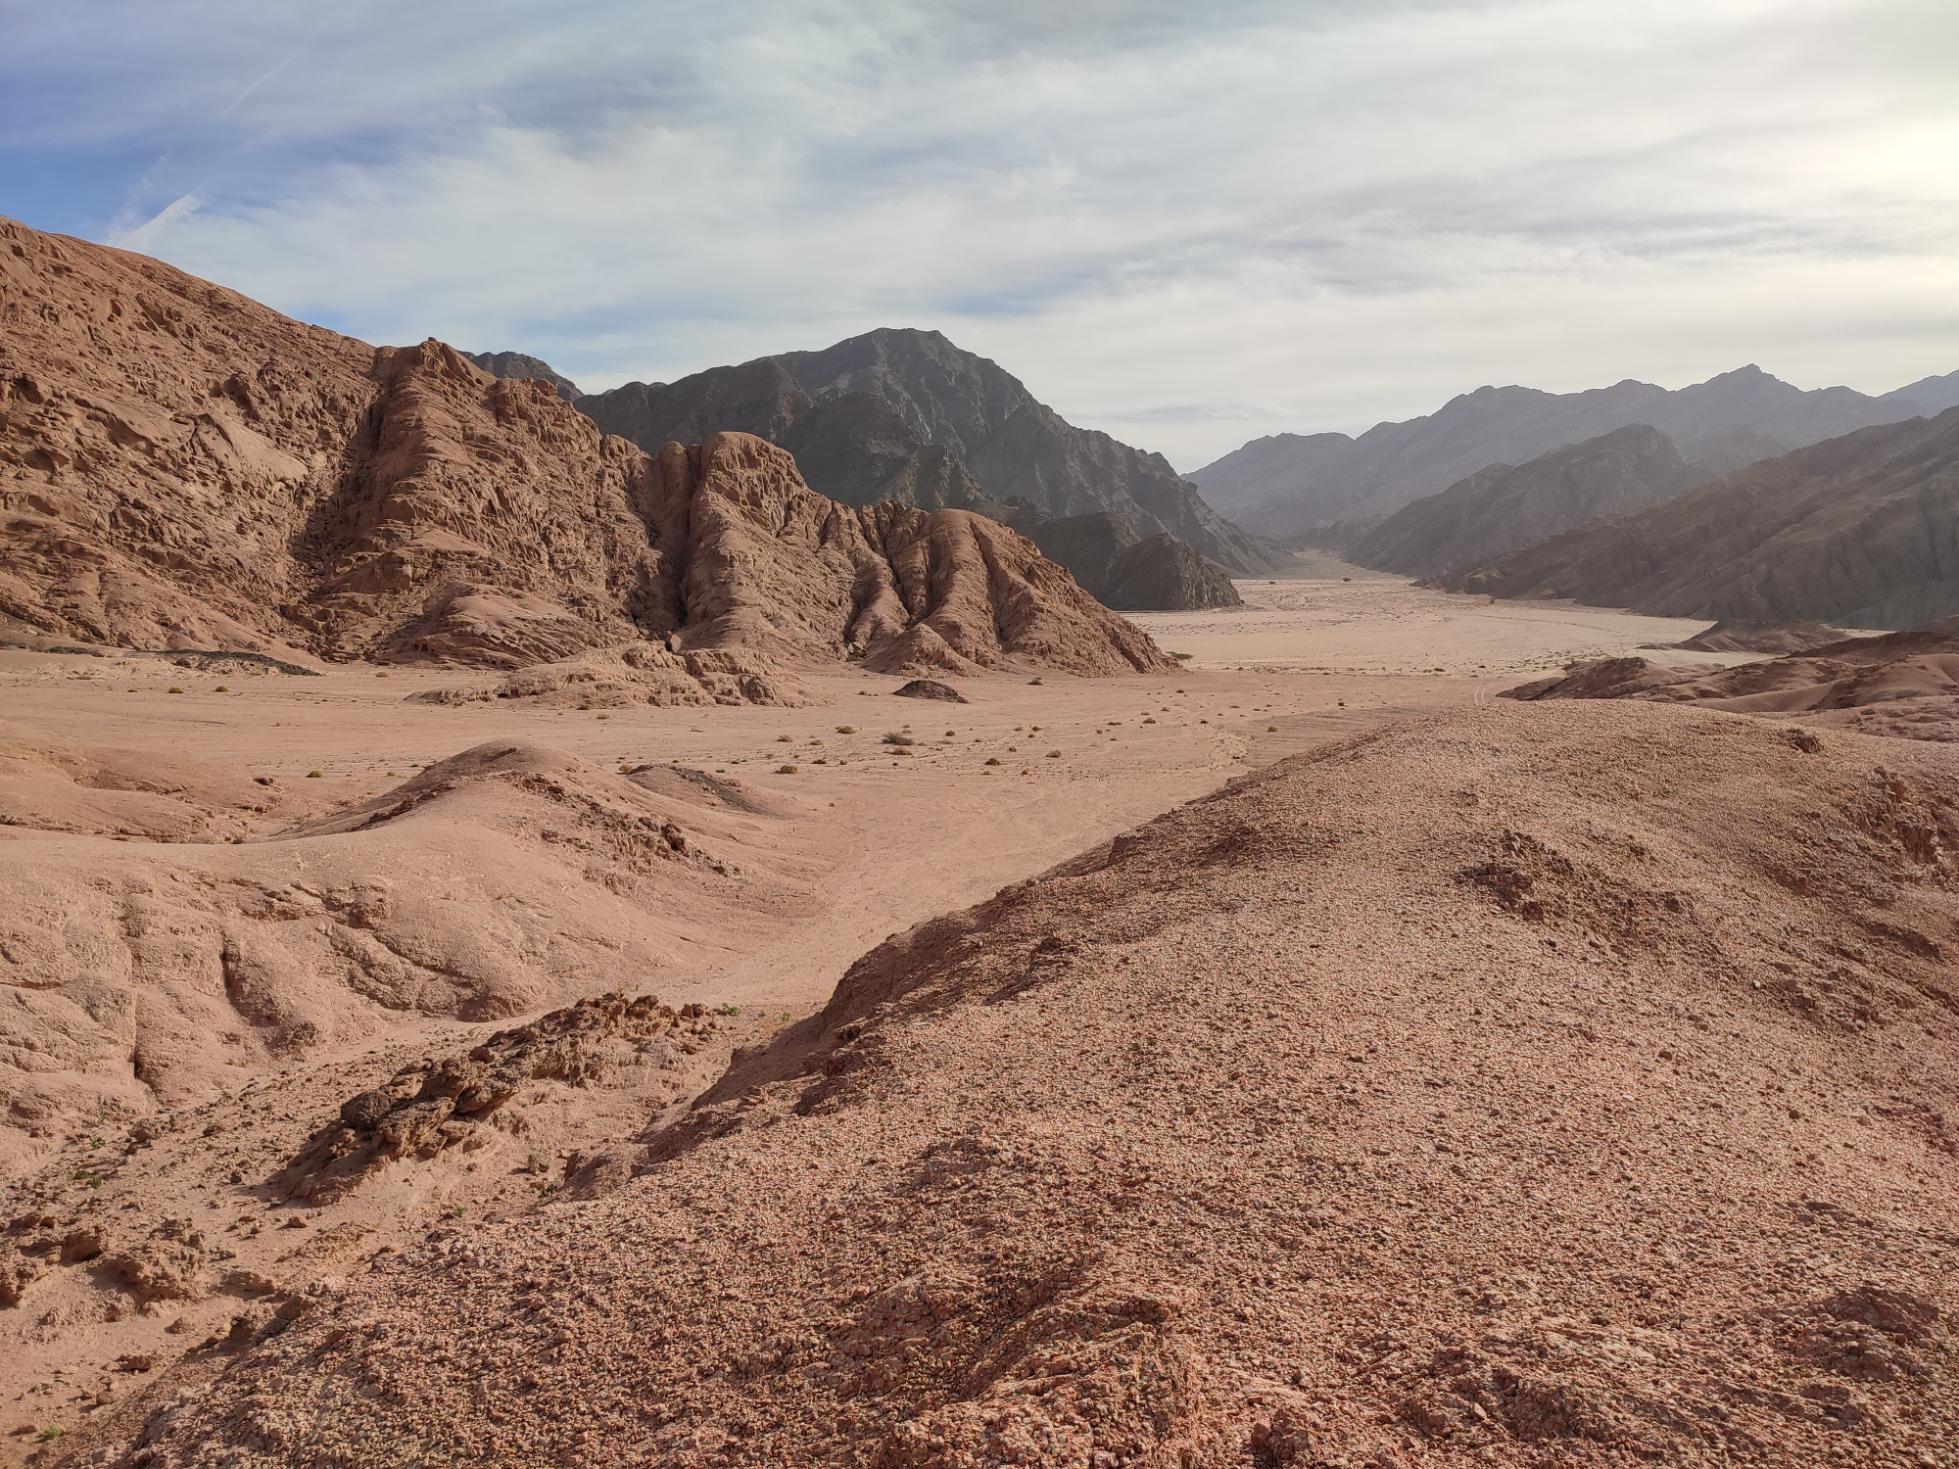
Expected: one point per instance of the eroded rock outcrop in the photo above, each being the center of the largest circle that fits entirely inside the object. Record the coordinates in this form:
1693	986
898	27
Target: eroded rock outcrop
433	1105
181	467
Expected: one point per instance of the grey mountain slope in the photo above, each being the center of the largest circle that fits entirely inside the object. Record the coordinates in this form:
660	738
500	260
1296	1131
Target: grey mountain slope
523	365
1929	395
1293	485
1010	446
1504	507
1857	531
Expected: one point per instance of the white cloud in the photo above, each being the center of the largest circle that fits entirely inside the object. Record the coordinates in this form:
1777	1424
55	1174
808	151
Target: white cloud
144	235
1185	224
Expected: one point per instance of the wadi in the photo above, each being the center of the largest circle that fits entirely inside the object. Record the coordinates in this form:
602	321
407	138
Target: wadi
821	911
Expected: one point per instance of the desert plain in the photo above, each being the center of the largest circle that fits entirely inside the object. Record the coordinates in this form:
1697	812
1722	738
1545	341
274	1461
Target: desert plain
299	867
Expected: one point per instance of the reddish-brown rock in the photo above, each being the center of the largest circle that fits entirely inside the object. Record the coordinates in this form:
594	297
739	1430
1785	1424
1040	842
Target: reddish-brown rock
182	467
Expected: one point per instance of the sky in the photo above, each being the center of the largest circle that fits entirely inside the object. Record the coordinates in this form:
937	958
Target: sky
1189	224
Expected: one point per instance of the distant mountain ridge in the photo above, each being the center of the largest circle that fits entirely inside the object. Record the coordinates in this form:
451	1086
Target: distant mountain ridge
521	365
1857	531
1294	486
1505	507
906	414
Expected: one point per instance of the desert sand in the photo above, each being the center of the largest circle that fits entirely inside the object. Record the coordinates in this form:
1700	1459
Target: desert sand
1377	1110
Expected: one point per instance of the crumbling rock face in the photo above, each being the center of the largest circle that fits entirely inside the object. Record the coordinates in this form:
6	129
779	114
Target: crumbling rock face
775	568
434	1105
181	467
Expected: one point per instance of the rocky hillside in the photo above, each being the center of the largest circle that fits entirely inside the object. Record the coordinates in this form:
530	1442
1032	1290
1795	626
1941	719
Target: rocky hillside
1289	485
908	414
1499	509
181	467
522	365
1132	573
1859	531
1524	1086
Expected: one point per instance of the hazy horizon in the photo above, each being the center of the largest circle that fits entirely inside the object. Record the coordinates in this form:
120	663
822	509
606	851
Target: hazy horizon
1189	230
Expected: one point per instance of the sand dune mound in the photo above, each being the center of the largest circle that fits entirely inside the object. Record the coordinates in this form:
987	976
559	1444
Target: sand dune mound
1566	1085
1902	684
53	786
183	468
147	974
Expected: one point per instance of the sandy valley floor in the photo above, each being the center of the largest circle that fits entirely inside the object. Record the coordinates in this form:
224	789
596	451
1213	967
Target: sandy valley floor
833	839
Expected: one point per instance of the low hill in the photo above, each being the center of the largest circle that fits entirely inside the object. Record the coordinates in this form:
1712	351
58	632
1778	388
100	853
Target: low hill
1761	637
1132	573
1904	684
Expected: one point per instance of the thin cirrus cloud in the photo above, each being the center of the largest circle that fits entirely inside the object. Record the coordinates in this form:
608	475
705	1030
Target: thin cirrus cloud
1187	225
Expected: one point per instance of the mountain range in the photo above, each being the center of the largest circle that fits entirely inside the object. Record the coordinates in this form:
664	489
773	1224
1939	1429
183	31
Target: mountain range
1331	487
1857	531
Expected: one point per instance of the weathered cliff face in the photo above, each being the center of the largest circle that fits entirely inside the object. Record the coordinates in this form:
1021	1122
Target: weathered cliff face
182	467
774	567
1507	506
906	415
1859	531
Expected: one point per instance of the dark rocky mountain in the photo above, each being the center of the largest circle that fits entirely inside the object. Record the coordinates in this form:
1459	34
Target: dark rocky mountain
522	365
907	415
1128	572
1857	531
1504	507
1298	486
